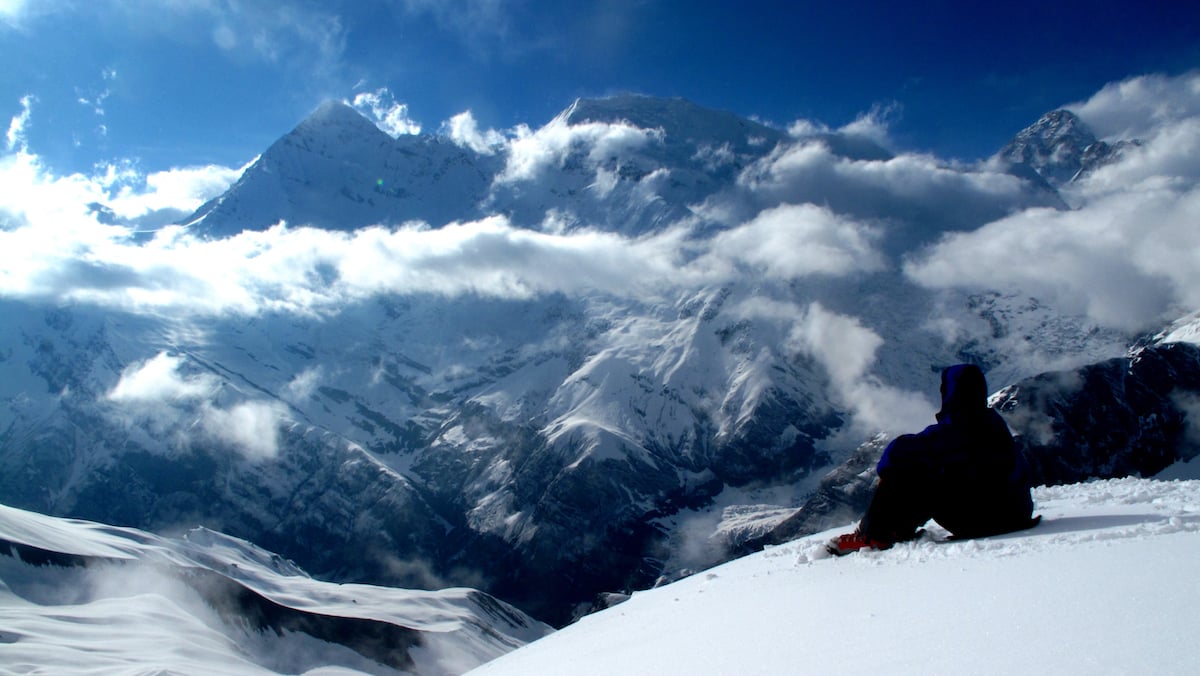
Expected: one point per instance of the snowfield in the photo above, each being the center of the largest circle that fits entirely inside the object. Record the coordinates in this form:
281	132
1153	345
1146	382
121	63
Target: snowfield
1105	585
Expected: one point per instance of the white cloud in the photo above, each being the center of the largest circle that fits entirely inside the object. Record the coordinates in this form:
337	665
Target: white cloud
1167	158
182	189
32	194
872	125
1126	261
381	108
1140	106
16	127
1128	256
308	270
158	380
52	220
464	130
531	153
793	241
916	196
157	392
806	128
252	427
304	384
846	349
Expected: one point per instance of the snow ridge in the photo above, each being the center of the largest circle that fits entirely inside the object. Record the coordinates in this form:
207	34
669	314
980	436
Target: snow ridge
55	573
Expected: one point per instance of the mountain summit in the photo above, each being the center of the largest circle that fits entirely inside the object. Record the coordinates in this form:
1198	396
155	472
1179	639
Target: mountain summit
1060	148
337	170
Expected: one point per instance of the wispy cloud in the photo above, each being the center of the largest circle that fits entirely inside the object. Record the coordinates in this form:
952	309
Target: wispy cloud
388	114
158	393
464	130
16	136
481	26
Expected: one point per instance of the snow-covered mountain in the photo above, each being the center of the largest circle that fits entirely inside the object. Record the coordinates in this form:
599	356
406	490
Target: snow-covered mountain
463	420
83	597
1060	148
628	164
1104	585
338	170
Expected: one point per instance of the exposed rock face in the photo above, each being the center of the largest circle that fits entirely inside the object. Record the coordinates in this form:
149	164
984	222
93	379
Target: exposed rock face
1060	149
1120	417
1131	416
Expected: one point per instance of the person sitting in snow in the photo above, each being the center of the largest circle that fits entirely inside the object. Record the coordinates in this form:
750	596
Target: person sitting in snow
963	472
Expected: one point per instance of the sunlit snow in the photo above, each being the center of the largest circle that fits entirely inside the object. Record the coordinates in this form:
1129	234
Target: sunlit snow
1106	584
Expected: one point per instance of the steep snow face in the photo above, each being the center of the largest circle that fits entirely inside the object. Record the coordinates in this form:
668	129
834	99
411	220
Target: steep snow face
81	597
337	170
1105	583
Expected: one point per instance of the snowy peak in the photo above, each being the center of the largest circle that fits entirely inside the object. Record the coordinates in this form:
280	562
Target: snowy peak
1053	146
338	170
338	117
1060	148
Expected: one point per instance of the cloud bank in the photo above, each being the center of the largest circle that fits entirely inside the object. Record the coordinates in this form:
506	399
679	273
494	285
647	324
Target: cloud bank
1125	258
1140	107
807	213
1129	255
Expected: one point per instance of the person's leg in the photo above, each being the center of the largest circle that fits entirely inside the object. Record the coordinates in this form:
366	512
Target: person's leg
902	503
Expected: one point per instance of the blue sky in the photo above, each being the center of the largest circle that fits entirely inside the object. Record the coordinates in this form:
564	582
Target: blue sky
194	82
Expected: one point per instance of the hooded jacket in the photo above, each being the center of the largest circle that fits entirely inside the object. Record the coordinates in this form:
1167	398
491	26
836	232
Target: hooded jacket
968	459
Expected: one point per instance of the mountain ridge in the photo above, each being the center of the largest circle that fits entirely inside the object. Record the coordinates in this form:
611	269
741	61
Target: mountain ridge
548	444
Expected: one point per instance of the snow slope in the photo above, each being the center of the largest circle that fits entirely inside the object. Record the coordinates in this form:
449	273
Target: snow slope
83	597
1106	584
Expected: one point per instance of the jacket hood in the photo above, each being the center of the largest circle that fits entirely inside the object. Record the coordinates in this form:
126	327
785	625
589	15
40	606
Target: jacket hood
964	392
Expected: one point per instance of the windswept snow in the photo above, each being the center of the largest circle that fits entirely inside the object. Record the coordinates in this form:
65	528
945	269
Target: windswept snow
82	597
1106	584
